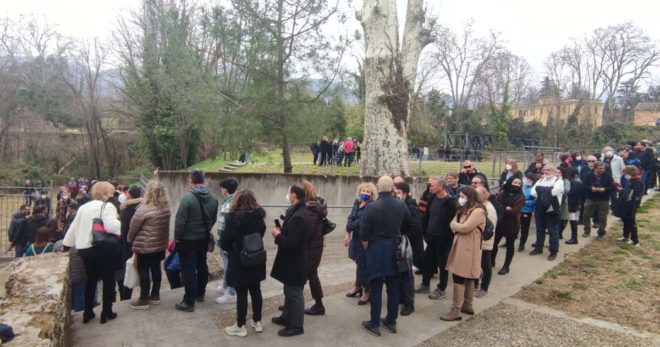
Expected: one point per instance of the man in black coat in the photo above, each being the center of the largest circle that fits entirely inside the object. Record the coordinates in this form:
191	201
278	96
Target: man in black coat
290	266
599	185
414	233
382	222
35	222
536	167
17	235
439	237
468	172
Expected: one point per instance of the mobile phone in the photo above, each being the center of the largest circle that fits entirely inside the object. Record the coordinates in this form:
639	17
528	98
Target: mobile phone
277	223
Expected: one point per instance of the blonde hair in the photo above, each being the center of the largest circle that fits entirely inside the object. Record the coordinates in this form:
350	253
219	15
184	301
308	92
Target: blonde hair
100	188
310	193
483	194
156	195
371	187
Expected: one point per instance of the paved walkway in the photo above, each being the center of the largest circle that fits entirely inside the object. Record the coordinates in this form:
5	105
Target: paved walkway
164	326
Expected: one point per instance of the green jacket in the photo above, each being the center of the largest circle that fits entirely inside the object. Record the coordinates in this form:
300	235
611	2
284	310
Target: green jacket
189	224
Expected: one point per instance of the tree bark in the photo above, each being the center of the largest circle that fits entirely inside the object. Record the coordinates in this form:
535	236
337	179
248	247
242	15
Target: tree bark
389	73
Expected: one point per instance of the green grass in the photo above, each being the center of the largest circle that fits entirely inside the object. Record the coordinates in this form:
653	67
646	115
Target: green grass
210	165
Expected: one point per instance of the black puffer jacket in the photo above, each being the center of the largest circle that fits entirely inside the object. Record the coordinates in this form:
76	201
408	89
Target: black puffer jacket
33	224
238	225
316	211
290	266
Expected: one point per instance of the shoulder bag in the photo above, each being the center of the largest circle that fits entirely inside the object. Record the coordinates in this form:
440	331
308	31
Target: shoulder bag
101	239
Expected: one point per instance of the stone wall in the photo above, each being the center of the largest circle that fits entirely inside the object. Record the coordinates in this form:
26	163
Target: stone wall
37	303
270	189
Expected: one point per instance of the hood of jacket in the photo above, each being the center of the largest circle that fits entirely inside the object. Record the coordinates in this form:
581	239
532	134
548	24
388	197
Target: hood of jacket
18	215
130	202
201	192
40	218
318	206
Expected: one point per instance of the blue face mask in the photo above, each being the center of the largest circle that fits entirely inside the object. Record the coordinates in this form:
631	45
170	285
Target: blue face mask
365	197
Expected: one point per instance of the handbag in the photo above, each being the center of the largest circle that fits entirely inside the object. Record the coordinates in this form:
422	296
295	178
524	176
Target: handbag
211	241
131	277
252	253
101	239
328	226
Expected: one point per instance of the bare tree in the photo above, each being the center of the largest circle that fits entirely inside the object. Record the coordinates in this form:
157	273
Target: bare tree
390	71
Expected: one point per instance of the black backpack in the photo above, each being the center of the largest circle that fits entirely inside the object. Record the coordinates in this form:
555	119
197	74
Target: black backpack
253	253
488	231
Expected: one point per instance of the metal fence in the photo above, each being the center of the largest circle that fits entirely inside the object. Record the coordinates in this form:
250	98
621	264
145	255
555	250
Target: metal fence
11	199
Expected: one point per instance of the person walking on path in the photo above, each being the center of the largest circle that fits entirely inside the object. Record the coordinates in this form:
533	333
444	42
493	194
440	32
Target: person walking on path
228	188
465	256
194	219
290	266
149	234
245	218
382	222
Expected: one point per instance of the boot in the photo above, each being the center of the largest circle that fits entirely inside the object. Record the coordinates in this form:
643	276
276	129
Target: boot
407	309
574	231
467	298
455	312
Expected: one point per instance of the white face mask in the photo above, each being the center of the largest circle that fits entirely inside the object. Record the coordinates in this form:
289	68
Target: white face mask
509	167
462	201
288	198
609	154
578	158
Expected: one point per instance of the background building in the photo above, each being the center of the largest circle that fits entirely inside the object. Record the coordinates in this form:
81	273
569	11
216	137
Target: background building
589	111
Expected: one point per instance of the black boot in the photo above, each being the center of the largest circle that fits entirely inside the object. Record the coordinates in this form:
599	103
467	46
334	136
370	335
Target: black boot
574	231
407	309
107	315
316	310
87	316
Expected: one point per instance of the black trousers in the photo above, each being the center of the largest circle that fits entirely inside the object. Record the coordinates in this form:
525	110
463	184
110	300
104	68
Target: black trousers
417	245
242	303
194	268
486	269
150	263
630	227
315	284
98	266
525	221
435	257
510	241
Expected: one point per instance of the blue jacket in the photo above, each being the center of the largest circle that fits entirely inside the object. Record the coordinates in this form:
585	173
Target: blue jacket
530	202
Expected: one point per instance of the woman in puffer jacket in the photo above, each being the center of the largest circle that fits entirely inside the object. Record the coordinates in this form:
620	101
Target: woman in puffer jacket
149	234
317	210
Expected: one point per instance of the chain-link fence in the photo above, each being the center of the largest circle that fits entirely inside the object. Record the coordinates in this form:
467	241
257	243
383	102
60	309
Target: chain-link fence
11	199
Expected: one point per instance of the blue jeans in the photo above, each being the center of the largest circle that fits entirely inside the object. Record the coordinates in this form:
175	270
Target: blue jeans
194	268
376	299
78	296
225	263
547	221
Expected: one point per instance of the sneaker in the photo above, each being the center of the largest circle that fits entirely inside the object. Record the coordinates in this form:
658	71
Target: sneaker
389	327
154	299
221	289
437	294
182	306
371	329
257	326
622	239
422	288
480	293
226	299
634	244
139	305
235	330
552	256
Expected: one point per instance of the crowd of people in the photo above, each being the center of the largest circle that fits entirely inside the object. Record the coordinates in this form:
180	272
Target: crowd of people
455	228
336	152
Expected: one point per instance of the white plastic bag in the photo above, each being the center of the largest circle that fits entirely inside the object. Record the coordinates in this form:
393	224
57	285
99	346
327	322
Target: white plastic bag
131	277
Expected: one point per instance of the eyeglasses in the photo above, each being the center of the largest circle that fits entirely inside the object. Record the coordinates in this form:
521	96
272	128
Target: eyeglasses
467	167
591	161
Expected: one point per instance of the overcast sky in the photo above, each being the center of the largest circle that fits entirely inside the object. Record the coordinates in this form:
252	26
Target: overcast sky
530	28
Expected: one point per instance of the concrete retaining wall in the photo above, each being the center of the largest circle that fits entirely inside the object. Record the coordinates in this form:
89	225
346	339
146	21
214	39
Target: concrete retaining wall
37	304
339	191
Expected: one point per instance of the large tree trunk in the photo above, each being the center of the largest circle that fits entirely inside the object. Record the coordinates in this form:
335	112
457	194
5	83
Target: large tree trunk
390	73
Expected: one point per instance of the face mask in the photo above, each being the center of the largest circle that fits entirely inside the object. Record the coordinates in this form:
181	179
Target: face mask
578	158
515	188
462	201
591	165
288	198
509	167
365	197
609	154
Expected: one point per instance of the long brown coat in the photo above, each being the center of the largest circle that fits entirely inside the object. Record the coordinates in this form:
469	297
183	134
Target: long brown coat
511	221
149	231
465	255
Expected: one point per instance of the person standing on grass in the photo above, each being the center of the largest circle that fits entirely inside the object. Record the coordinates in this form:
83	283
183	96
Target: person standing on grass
149	234
598	185
382	222
349	152
465	256
245	218
290	266
197	213
228	188
629	201
548	192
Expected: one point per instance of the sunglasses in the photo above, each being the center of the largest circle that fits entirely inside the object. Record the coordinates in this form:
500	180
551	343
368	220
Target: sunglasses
467	167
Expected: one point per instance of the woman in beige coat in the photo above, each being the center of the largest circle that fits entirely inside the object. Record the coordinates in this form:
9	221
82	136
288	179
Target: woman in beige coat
149	234
465	256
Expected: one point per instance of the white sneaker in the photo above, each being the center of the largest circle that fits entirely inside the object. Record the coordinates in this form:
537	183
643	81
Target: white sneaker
633	243
257	326
226	299
235	330
622	239
221	289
